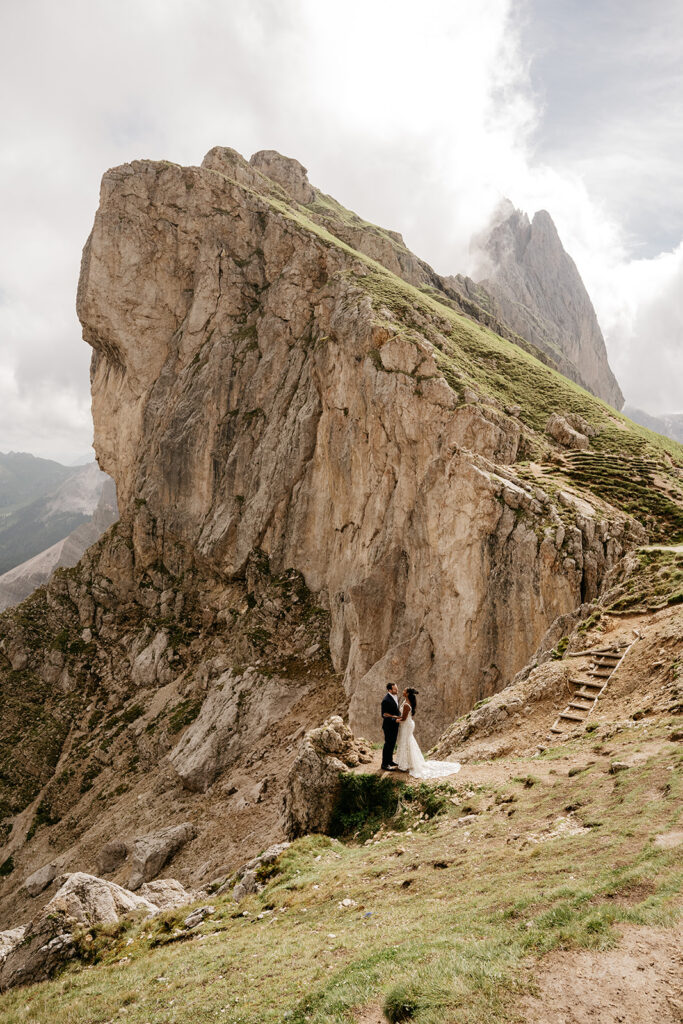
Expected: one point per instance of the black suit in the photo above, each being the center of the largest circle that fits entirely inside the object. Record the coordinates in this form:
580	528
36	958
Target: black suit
390	728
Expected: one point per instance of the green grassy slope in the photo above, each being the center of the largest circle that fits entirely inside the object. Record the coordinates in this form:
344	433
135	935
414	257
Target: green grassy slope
448	914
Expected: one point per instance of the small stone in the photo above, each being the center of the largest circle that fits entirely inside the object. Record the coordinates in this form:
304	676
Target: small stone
618	766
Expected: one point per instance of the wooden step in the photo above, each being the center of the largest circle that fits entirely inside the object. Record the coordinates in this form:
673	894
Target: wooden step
578	707
592	697
571	717
600	673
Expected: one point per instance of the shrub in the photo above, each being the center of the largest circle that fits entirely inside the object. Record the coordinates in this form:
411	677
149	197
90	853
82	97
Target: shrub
364	802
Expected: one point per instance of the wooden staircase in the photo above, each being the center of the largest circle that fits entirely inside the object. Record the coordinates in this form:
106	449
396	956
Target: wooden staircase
594	669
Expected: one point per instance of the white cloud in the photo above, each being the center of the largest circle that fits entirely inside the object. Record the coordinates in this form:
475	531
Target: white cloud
420	118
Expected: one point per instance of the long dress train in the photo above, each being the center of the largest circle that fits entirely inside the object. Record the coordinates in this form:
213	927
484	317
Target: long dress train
409	756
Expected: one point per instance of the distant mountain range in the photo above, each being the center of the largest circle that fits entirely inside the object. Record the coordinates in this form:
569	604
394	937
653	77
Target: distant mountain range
671	424
49	515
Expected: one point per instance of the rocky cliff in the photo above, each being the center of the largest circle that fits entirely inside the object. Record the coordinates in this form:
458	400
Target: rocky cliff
328	476
253	388
527	280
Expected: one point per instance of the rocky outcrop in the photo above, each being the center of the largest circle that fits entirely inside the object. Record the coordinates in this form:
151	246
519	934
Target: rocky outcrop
559	428
32	953
250	877
533	286
48	941
252	389
314	779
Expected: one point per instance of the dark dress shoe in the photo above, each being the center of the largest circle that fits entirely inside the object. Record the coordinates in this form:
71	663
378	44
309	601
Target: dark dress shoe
389	767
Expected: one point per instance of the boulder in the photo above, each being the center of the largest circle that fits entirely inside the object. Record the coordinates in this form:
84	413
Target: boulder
198	915
48	941
314	779
40	879
167	893
247	876
90	900
151	852
111	856
563	432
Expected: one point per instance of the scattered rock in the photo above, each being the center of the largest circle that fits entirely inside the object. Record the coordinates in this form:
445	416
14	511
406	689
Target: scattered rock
618	766
151	852
40	879
198	915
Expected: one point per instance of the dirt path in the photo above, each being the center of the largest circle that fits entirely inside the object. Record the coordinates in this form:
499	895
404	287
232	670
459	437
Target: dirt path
639	981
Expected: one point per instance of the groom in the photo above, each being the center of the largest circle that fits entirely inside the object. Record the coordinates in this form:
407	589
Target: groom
390	719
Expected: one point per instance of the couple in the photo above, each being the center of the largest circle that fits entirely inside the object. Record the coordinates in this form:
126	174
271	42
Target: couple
398	722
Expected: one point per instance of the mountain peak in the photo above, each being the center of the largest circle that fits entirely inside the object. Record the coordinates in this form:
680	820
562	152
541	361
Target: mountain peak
539	293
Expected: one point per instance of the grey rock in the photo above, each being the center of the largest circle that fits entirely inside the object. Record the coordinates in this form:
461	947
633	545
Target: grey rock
198	915
40	879
150	853
247	885
559	428
82	901
314	779
166	893
618	766
111	856
536	290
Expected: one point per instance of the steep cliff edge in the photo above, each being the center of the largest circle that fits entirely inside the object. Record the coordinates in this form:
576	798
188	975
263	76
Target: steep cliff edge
327	476
527	280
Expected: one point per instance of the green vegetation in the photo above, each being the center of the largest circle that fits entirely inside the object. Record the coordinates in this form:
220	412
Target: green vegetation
182	714
656	583
44	816
364	803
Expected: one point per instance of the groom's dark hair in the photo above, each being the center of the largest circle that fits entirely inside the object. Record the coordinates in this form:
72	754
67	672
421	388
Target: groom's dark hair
389	685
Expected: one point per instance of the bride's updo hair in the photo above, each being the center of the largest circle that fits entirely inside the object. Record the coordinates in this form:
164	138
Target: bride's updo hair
412	694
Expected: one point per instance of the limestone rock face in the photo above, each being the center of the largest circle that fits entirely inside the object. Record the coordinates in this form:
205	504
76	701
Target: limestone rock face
236	712
313	782
538	292
251	391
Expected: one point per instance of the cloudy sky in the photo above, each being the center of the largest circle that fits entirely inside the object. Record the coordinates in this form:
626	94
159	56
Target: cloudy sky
419	116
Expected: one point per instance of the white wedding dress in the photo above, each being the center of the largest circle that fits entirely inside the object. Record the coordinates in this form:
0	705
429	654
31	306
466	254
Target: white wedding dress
409	756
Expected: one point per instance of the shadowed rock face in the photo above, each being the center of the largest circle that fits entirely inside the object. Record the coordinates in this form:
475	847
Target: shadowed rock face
249	392
538	292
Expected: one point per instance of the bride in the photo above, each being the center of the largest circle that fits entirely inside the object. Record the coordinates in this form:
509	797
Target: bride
408	754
